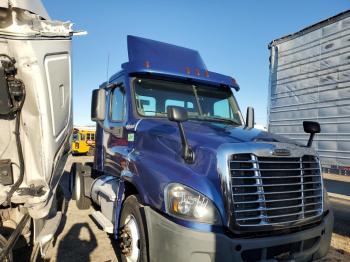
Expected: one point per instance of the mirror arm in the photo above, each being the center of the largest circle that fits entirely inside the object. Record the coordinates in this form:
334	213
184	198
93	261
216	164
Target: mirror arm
109	131
311	139
187	152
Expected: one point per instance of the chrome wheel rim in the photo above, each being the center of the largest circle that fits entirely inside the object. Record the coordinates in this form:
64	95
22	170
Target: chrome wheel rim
77	187
131	231
71	182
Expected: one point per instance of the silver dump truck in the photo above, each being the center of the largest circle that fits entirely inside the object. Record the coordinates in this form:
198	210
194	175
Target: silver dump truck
35	122
310	80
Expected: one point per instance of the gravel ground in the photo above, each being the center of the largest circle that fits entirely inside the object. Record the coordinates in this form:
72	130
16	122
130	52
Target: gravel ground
340	249
80	239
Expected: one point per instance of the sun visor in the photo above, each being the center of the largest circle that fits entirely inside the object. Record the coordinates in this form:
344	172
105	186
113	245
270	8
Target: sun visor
163	54
150	56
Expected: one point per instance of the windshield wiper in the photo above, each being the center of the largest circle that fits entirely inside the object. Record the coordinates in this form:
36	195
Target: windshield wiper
221	119
218	119
197	100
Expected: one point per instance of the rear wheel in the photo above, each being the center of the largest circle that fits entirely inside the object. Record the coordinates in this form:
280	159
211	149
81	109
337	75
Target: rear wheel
81	200
132	236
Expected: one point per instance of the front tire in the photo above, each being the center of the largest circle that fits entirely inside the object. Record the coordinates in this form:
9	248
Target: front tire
81	200
72	180
133	243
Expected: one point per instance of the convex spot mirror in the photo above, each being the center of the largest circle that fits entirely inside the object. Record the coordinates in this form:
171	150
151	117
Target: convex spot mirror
98	105
177	114
311	127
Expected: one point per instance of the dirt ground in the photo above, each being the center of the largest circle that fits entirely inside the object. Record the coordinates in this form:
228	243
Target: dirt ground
340	249
80	239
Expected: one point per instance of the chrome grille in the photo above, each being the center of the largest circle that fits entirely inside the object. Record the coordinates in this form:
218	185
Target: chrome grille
275	190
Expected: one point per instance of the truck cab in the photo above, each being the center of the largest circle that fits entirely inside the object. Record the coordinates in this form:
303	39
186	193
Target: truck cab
36	123
179	175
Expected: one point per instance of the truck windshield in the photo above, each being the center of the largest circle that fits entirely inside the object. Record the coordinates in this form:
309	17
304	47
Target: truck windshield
202	102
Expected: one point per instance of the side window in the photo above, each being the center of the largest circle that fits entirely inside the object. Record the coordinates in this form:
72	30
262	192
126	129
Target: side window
92	136
117	105
88	136
82	137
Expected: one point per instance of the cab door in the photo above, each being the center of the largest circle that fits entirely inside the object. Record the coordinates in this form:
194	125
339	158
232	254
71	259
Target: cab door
116	140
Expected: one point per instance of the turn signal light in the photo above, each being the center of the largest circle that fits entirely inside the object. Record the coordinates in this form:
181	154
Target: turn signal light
234	82
147	64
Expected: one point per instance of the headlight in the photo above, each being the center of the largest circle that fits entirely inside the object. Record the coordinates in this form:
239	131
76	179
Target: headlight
186	203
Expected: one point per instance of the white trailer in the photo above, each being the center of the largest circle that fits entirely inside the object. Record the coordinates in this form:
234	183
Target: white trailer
35	121
310	80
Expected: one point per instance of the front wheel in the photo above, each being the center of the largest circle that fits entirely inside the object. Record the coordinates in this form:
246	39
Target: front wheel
81	200
132	232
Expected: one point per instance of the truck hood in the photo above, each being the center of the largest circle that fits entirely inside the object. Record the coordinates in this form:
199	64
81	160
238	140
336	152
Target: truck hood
157	152
203	134
160	139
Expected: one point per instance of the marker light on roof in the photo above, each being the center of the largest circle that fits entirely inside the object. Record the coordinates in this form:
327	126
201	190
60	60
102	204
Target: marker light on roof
188	70
147	64
206	73
234	82
197	72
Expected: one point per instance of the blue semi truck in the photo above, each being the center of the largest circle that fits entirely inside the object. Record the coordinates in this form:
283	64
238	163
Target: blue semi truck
178	175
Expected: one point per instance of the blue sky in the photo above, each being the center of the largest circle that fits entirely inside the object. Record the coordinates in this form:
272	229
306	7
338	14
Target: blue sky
232	37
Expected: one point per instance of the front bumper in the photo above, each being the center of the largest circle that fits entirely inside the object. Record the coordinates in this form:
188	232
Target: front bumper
169	241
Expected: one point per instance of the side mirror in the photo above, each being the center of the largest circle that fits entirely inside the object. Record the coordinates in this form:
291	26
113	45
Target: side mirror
98	105
177	114
311	128
249	122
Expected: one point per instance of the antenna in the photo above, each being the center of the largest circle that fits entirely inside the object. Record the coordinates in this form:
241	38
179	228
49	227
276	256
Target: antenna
107	73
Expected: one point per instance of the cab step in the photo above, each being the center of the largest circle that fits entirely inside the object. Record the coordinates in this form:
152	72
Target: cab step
102	221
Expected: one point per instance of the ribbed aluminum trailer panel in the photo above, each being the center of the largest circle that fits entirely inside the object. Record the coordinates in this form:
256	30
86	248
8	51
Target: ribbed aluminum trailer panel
310	80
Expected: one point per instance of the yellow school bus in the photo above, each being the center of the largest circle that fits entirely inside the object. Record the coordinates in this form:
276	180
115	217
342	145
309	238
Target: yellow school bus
83	141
